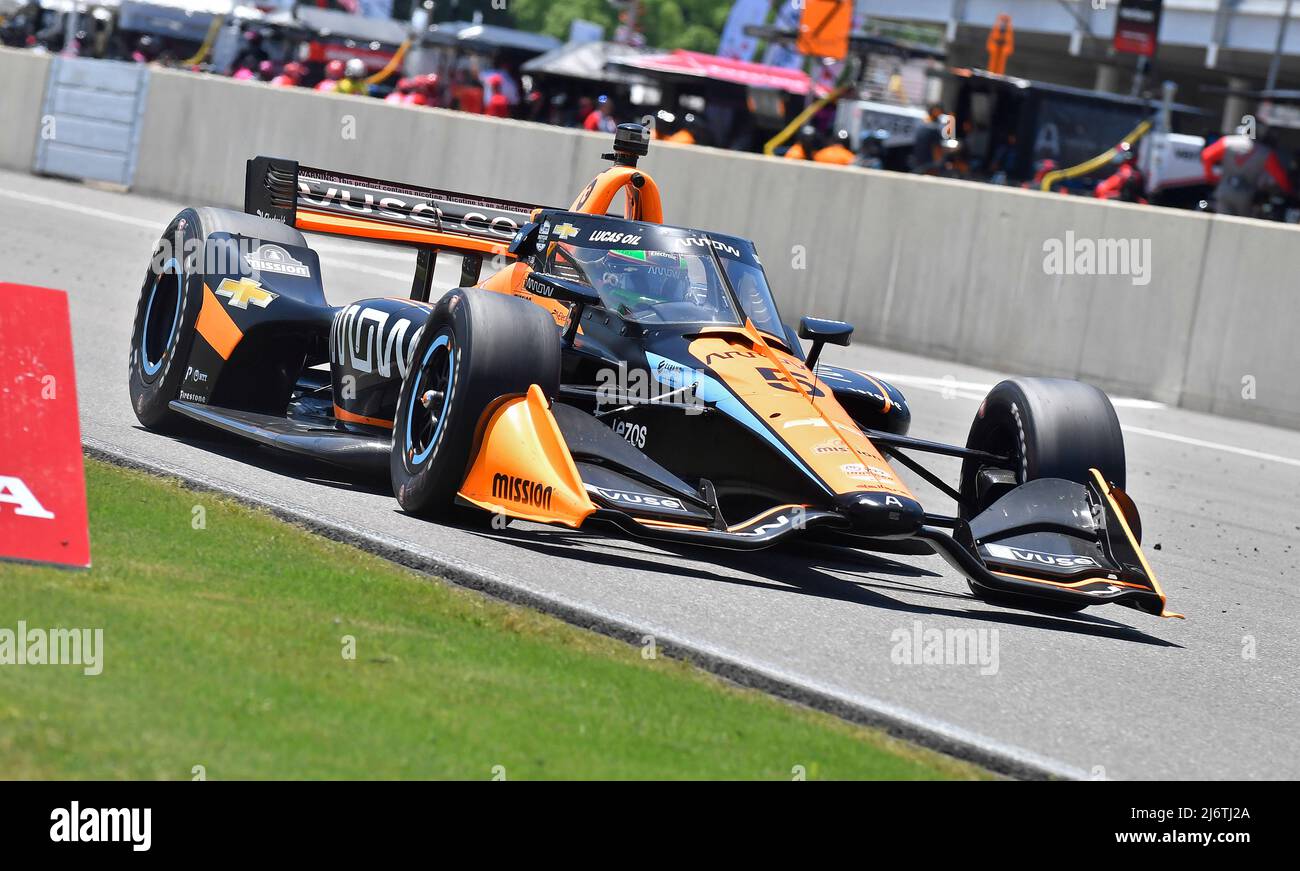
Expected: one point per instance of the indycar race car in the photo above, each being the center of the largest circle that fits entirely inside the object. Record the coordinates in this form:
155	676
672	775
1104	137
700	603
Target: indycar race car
613	372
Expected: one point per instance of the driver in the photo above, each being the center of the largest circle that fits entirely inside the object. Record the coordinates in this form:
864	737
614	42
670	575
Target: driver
630	279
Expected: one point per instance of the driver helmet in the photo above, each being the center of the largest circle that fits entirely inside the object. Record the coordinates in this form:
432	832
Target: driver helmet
631	277
355	68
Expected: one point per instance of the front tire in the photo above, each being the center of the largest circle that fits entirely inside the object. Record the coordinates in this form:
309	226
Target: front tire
1049	428
170	299
476	348
165	316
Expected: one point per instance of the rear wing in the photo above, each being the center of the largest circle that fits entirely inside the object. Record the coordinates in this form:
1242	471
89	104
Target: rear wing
323	201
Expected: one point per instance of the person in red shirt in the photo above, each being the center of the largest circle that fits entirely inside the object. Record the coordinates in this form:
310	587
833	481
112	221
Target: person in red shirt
291	76
602	119
1243	167
333	72
1126	182
497	105
401	93
426	90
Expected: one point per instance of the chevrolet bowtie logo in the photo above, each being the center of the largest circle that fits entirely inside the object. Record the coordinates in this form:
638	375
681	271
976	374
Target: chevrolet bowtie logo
566	231
244	291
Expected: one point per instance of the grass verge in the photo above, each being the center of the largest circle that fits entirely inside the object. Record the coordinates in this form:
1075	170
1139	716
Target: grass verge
226	636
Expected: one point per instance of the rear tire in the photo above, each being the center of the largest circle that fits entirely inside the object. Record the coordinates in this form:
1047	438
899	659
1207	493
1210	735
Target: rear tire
1050	428
476	348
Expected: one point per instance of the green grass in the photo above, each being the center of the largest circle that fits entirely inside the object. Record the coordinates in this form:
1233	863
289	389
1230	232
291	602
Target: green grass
223	647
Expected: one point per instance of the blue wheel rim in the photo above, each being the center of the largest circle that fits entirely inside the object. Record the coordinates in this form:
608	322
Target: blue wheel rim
419	451
147	361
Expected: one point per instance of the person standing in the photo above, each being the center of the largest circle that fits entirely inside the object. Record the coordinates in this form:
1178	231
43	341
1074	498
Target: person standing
354	78
602	119
333	74
838	152
1243	166
927	149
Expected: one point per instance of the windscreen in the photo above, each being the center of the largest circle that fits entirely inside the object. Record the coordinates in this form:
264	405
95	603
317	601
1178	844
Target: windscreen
659	275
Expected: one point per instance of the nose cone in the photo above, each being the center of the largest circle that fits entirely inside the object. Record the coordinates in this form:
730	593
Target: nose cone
882	515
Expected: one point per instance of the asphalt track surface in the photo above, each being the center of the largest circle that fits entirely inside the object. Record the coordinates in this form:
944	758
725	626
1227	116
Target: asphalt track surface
1108	693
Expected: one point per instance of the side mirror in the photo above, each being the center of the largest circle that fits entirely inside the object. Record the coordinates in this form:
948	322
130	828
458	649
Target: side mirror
564	290
821	332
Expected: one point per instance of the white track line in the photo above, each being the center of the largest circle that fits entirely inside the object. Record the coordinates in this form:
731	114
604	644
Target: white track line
80	209
978	390
156	227
1214	446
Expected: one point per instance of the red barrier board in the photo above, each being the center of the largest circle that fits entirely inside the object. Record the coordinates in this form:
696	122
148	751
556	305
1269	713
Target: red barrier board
42	479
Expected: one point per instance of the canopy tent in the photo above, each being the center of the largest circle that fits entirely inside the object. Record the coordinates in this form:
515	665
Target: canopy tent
332	24
588	61
692	66
488	37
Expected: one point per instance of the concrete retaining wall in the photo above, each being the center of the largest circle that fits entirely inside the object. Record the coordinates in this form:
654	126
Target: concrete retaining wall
944	268
23	75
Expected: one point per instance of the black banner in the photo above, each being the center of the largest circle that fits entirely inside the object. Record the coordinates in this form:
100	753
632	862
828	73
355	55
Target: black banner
1137	25
332	820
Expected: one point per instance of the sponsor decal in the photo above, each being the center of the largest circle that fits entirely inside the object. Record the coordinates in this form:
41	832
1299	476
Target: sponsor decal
186	396
566	230
672	384
772	526
1023	555
532	285
633	433
834	446
372	340
705	242
198	376
858	470
544	233
644	500
463	215
240	293
728	355
670	372
614	236
521	490
273	258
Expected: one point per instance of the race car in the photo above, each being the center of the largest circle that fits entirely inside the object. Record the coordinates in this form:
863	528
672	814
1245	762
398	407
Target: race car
612	373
